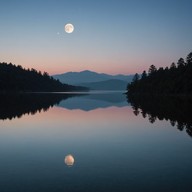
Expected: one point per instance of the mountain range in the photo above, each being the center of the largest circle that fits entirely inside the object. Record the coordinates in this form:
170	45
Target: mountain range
95	81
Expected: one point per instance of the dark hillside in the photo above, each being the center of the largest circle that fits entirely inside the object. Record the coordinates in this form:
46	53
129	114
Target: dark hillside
17	79
176	80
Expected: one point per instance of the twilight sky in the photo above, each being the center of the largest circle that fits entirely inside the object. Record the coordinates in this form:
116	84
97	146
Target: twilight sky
110	36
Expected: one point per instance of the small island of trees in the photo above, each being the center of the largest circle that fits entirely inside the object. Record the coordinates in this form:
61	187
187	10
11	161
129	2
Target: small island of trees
175	80
17	79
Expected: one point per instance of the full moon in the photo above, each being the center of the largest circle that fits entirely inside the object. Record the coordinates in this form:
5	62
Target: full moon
69	160
69	28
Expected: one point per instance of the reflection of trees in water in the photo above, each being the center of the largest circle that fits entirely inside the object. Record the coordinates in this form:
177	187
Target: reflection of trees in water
178	110
15	105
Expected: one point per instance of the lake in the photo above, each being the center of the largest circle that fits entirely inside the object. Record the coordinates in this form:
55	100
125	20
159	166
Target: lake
92	142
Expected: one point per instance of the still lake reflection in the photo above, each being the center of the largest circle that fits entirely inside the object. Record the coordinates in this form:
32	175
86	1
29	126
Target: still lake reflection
89	143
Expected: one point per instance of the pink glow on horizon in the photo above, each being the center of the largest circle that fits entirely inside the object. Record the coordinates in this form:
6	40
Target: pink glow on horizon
58	66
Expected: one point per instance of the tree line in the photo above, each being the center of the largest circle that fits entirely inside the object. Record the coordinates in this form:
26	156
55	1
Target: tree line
17	79
173	80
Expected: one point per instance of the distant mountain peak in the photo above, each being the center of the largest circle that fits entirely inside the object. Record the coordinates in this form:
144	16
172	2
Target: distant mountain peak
87	76
87	71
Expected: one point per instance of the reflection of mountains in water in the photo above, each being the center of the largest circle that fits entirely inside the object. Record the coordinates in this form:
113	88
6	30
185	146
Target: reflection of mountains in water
95	100
178	110
15	105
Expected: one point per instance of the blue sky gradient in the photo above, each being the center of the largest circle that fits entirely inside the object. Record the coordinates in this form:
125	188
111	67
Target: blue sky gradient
112	36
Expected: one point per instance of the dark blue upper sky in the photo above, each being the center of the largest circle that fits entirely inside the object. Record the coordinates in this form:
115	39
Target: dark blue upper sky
114	36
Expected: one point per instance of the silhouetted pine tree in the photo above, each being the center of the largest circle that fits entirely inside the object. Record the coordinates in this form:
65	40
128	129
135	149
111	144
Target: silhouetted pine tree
173	80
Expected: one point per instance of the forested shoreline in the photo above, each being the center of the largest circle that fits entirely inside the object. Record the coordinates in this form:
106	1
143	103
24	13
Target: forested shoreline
173	80
17	79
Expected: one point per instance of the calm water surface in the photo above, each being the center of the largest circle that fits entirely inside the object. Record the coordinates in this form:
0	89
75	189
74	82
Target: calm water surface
111	148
